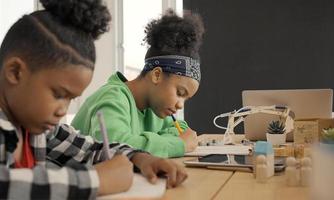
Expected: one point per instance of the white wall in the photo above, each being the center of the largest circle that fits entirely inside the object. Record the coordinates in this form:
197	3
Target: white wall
105	64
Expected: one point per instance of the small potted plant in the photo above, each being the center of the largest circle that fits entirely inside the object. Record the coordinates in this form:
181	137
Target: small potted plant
276	133
327	139
327	136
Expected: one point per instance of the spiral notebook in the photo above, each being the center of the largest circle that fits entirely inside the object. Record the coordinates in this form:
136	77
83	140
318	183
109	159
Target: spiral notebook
140	189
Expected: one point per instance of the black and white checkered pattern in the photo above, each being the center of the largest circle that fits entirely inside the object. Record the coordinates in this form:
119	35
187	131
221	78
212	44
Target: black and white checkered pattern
64	159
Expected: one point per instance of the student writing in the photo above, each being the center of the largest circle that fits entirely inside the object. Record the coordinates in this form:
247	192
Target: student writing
137	112
47	58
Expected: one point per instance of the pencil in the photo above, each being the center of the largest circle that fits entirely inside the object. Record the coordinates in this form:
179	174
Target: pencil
177	125
104	135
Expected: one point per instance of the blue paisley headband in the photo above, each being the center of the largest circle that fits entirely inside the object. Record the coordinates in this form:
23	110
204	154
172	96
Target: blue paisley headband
179	65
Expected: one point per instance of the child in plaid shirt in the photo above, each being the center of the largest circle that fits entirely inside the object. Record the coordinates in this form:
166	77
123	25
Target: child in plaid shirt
46	59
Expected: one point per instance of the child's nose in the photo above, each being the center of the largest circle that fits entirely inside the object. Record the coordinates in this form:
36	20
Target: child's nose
61	111
179	104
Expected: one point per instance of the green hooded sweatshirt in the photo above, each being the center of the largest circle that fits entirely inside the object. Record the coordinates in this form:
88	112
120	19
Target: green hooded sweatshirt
125	123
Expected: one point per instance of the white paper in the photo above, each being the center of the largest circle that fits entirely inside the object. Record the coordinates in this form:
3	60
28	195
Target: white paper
224	149
141	188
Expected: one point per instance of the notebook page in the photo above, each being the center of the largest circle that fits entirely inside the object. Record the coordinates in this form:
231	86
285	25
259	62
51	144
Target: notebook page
140	189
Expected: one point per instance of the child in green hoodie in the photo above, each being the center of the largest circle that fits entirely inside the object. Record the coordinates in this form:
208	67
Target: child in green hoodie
138	112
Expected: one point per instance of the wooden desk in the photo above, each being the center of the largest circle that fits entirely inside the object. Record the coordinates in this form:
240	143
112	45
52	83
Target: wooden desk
201	184
205	184
244	186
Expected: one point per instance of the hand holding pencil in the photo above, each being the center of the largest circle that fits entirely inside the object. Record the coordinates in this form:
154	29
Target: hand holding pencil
188	136
177	125
115	173
120	168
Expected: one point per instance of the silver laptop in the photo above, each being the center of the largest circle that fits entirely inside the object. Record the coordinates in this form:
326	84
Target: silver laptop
305	103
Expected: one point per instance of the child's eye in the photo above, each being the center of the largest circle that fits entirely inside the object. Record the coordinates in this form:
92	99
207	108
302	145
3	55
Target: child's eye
76	98
180	93
58	95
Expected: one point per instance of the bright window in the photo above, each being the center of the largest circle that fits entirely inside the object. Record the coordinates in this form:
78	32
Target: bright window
136	16
11	11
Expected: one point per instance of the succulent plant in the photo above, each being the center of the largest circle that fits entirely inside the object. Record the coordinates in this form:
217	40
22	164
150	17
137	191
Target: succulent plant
276	127
328	135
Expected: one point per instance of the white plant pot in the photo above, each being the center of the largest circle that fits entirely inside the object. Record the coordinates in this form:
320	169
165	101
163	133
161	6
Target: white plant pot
276	139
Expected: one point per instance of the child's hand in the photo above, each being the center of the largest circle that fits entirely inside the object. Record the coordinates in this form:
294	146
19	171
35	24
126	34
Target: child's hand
189	137
150	166
115	175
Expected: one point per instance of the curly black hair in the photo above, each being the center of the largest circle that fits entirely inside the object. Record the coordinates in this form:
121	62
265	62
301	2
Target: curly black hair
62	33
174	35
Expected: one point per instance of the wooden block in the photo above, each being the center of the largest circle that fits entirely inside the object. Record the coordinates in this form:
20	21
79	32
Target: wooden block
285	151
293	150
307	131
290	151
299	151
279	151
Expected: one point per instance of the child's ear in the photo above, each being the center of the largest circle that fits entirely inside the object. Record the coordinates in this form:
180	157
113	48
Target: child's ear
157	74
13	69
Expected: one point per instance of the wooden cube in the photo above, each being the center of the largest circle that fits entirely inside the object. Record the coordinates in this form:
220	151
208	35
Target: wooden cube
307	131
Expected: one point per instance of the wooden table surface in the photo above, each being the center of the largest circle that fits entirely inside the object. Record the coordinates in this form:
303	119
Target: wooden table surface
244	186
203	184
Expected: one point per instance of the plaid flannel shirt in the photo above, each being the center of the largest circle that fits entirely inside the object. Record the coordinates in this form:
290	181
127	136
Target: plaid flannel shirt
63	168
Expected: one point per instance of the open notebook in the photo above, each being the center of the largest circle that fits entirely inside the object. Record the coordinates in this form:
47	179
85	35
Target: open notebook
141	189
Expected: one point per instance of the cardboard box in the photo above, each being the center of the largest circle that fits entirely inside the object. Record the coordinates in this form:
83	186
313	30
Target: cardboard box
307	131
